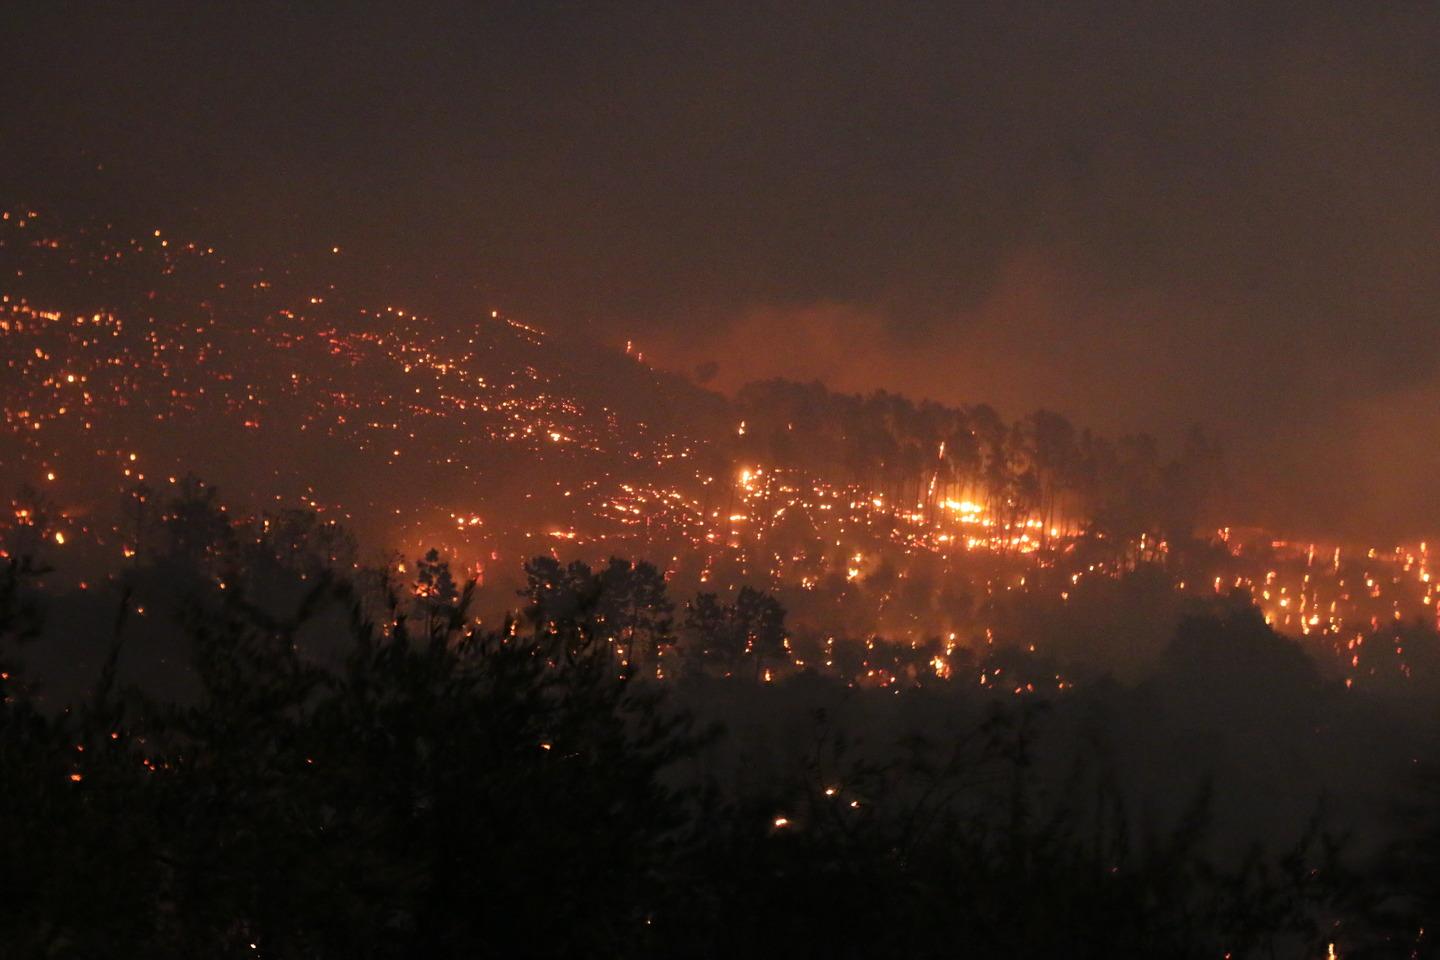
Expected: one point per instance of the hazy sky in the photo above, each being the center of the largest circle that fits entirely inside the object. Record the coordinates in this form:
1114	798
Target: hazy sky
1139	214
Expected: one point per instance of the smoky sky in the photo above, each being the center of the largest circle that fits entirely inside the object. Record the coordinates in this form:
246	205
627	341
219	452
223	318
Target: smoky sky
1142	215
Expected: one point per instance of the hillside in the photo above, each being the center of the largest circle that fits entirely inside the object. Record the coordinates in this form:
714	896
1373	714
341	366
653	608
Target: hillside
134	359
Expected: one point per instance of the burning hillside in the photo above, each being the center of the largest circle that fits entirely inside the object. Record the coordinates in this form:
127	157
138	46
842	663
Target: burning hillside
134	358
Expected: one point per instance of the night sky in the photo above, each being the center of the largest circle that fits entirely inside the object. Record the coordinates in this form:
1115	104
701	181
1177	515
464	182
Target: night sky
1139	214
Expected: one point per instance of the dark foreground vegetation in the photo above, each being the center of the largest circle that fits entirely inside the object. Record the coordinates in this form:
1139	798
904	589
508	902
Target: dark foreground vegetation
347	766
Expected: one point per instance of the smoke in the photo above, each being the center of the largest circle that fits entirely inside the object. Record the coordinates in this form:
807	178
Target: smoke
1316	446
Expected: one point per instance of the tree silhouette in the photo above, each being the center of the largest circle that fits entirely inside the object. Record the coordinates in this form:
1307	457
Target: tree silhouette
636	609
753	625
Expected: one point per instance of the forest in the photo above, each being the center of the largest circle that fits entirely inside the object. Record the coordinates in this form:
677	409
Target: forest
1039	466
650	481
248	743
